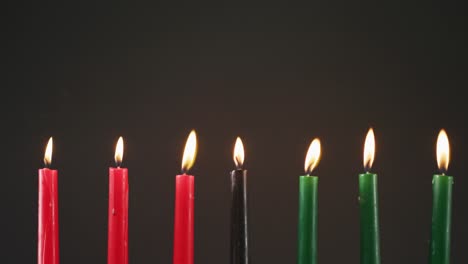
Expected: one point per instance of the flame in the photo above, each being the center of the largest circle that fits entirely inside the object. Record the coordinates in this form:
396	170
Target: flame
369	150
313	156
443	151
190	152
119	151
48	152
239	153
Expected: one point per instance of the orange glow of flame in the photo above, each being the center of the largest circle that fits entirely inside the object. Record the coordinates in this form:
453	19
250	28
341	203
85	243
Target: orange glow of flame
119	151
369	150
313	156
239	153
190	152
443	151
48	152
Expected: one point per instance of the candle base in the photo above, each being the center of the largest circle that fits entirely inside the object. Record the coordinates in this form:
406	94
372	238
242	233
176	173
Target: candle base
441	219
48	236
117	235
368	204
239	224
307	227
183	219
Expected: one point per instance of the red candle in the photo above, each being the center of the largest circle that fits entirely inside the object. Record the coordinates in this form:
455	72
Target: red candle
117	246
184	212
48	239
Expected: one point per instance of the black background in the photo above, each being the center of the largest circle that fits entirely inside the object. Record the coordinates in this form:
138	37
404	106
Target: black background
277	74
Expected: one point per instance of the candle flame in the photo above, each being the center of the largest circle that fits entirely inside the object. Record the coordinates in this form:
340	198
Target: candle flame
239	153
119	151
48	153
369	150
190	152
313	156
443	151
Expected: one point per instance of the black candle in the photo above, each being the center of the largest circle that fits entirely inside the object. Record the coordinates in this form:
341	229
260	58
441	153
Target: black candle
239	225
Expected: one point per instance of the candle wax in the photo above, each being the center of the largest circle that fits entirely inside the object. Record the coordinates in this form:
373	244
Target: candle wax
117	248
441	219
239	223
48	236
307	226
368	204
183	219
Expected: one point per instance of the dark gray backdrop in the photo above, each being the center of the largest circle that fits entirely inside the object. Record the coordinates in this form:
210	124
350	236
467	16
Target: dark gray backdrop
277	74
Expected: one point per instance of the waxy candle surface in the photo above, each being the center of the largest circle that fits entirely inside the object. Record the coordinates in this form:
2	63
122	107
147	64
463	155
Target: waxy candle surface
48	228
117	248
441	219
183	219
239	224
307	227
368	205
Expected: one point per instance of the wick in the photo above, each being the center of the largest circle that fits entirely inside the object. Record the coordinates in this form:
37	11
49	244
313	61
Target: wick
238	163
442	171
46	164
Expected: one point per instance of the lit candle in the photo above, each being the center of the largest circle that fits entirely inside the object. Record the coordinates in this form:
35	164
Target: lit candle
441	204
184	211
48	237
117	247
368	204
307	226
239	209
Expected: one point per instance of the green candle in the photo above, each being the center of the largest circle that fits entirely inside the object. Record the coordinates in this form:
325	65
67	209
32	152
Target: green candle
368	205
307	226
441	205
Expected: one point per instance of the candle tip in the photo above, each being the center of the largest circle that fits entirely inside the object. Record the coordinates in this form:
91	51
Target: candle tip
119	149
239	154
443	151
369	150
48	152
190	152
313	156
